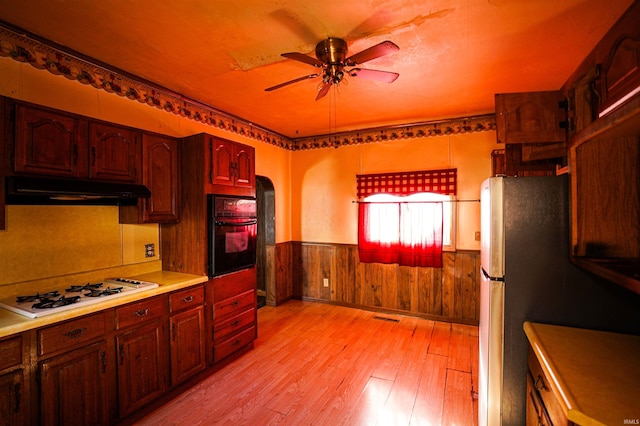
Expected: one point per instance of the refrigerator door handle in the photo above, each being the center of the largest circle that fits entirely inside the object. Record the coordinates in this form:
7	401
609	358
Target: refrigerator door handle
490	278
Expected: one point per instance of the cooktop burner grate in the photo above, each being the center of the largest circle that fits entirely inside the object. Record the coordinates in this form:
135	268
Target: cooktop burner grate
46	303
85	287
36	297
106	292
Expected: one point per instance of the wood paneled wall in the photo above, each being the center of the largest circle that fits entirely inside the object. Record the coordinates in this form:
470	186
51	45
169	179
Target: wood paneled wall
451	293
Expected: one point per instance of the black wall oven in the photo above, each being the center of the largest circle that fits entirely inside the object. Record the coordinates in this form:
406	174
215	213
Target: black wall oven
233	230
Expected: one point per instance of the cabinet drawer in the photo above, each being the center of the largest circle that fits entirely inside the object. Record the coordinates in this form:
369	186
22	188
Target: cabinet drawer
234	305
226	286
187	298
541	384
70	334
223	329
11	352
138	312
229	346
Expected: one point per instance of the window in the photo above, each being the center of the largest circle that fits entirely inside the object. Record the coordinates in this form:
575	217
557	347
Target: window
405	224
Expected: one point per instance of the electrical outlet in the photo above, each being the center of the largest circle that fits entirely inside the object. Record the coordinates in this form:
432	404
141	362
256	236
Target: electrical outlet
149	250
477	236
325	282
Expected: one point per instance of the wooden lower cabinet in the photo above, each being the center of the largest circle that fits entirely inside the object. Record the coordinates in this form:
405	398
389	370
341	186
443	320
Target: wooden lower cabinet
187	334
101	368
14	393
73	386
141	367
12	401
233	319
141	351
543	406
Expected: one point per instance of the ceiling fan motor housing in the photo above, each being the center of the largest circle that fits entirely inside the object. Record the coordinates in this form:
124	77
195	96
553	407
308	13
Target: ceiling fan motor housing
332	50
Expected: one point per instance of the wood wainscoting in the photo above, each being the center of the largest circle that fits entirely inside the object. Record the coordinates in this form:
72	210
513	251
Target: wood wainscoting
450	293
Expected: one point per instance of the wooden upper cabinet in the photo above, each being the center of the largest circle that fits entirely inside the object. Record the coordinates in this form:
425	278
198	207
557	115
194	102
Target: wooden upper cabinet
49	142
59	144
618	56
113	152
232	167
161	174
245	174
222	162
533	117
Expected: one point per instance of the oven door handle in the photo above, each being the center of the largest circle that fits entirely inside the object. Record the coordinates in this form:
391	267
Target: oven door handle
245	223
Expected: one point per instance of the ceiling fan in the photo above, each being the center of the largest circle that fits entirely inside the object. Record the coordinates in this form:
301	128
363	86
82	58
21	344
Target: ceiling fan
331	57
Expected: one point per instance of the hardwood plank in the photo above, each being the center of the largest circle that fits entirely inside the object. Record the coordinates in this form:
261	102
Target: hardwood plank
429	403
316	363
399	405
459	354
368	409
458	406
440	339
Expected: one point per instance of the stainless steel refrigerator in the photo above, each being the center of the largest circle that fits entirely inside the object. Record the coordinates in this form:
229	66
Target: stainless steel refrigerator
527	276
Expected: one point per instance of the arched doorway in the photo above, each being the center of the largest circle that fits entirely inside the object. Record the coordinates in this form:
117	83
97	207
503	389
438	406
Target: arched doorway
265	196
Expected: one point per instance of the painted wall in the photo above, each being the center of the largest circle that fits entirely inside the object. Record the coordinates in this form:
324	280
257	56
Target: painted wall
324	182
45	241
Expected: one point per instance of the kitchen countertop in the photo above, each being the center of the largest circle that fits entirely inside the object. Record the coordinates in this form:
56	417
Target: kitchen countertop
11	323
595	375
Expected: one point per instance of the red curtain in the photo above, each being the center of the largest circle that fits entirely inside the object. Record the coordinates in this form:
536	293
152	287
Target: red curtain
406	233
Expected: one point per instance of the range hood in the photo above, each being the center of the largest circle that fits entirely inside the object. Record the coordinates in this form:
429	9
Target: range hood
39	191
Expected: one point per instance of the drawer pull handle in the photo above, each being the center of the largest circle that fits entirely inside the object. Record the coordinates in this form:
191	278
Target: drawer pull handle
236	322
74	334
187	299
539	384
141	313
236	342
17	393
236	303
103	356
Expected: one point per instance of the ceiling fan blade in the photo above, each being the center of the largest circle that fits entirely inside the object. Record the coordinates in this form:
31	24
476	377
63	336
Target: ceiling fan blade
376	75
323	90
296	56
380	49
295	80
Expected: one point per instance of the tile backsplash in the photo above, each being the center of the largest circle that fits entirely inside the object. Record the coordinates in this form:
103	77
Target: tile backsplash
50	241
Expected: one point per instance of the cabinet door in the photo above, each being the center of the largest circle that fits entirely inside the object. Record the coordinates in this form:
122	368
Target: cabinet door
244	166
141	367
222	162
74	387
12	398
187	344
113	153
533	117
49	143
161	175
619	57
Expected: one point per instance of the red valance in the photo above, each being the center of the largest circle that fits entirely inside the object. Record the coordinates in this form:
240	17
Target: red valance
406	183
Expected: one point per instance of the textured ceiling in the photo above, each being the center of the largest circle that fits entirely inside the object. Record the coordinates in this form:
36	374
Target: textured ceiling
454	55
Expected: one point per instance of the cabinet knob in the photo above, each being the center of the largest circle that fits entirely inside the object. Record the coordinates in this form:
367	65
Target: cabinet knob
187	299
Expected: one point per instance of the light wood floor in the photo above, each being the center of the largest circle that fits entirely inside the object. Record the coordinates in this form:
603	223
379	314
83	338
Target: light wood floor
319	364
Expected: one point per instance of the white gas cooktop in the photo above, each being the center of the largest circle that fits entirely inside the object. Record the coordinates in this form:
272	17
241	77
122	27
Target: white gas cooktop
74	296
